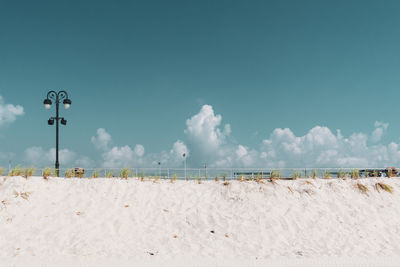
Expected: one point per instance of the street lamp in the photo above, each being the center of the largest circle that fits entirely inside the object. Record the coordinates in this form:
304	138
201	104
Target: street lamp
57	97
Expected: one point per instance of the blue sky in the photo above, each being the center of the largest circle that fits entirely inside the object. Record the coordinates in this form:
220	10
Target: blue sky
141	69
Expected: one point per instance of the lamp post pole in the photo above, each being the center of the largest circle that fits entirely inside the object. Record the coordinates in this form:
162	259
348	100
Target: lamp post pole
57	97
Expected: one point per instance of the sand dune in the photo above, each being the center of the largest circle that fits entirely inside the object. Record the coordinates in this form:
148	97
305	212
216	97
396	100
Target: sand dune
86	221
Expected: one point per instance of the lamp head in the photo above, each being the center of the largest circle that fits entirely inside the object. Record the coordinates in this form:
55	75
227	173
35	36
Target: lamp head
50	122
47	103
63	121
67	103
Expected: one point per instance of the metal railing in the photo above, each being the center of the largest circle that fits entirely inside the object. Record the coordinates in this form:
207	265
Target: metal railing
223	173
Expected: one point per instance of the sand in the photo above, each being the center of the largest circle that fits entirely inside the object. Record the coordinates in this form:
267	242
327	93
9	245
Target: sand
104	222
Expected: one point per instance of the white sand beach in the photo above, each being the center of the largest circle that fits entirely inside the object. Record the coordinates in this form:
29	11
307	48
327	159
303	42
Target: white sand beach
116	222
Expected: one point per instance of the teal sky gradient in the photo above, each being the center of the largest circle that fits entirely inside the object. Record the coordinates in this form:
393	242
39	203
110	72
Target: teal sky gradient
140	69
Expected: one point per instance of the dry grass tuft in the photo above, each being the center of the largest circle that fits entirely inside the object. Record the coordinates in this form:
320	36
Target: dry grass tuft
309	182
226	235
314	174
124	173
29	172
25	195
383	186
174	178
242	178
216	178
296	175
362	188
355	174
2	171
156	179
95	174
175	236
260	181
47	172
109	175
226	183
327	175
275	175
224	177
17	171
309	191
68	173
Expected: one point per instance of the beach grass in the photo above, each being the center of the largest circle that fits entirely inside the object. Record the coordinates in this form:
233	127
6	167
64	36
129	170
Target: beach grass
47	172
124	173
362	188
16	171
384	187
68	174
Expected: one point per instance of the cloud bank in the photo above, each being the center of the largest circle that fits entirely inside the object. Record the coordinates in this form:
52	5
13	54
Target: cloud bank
39	157
124	156
208	140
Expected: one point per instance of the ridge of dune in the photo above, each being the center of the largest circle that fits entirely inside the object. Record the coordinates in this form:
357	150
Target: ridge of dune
300	219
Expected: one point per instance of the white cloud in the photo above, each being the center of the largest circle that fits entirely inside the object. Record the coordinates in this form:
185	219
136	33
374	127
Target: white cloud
203	130
120	157
380	130
116	157
9	112
139	150
208	139
102	139
178	149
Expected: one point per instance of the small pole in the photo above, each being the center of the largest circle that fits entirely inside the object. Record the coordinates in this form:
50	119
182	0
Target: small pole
184	157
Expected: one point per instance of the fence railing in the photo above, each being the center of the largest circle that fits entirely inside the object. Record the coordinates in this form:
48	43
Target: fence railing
224	173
